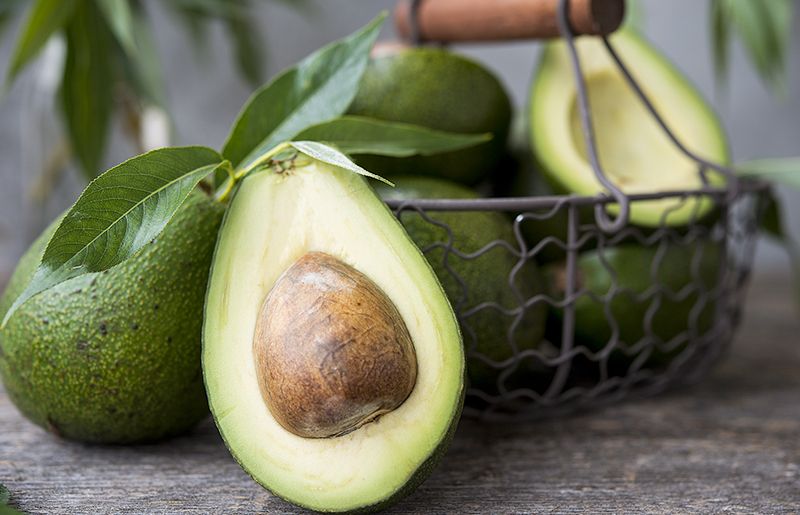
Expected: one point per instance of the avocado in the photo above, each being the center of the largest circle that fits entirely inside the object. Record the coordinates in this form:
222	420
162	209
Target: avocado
114	357
668	287
635	153
333	360
438	89
472	281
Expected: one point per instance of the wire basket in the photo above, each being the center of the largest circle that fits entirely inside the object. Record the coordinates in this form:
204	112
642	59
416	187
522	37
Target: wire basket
626	311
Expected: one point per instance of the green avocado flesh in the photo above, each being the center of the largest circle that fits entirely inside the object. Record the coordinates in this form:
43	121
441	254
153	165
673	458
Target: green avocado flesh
275	220
114	357
635	154
485	278
441	90
671	288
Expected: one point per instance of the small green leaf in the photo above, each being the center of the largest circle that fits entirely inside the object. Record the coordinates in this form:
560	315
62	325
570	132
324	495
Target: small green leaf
320	88
772	217
359	135
330	155
781	170
87	95
247	47
764	27
720	39
120	18
144	69
5	496
8	9
119	213
46	18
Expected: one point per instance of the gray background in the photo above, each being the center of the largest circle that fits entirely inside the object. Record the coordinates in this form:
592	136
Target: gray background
204	96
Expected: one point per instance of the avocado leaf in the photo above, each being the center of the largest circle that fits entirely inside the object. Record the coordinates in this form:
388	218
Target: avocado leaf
320	88
332	156
784	171
89	67
119	17
45	19
120	212
361	135
764	28
5	509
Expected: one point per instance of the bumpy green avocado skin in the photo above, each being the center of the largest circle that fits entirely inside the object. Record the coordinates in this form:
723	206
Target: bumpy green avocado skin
632	266
486	277
114	357
440	90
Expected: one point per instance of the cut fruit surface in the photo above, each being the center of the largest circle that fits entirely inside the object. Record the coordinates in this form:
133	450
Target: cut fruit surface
634	152
275	221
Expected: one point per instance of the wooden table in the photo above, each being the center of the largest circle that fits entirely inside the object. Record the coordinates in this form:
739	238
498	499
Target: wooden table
731	444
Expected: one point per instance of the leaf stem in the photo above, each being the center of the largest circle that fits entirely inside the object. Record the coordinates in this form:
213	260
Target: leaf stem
234	176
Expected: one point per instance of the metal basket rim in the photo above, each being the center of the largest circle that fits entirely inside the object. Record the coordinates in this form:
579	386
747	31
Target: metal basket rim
743	185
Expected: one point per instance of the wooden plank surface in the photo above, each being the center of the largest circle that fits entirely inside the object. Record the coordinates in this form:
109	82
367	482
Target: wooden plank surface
728	445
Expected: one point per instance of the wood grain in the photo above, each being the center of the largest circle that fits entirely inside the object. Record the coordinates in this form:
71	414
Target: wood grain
728	445
503	20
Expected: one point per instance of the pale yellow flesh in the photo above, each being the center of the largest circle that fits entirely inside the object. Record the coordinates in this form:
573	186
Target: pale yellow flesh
635	153
273	220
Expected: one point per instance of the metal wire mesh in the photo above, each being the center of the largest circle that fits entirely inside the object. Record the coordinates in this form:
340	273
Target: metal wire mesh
646	308
590	309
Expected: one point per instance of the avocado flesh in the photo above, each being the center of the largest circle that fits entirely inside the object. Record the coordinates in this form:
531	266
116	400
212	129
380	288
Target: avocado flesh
274	220
636	155
441	90
114	357
486	277
670	295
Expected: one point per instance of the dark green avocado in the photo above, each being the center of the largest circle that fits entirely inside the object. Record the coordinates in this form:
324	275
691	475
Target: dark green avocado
114	357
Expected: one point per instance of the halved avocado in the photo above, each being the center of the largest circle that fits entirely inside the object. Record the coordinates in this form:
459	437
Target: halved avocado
333	361
635	153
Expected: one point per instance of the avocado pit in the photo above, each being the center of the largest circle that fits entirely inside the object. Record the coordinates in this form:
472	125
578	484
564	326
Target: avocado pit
332	352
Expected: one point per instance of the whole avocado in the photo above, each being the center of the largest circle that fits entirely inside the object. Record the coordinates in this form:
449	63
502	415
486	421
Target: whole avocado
477	280
114	357
440	90
654	296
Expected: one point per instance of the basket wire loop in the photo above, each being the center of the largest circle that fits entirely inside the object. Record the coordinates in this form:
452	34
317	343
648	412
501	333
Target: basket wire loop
603	219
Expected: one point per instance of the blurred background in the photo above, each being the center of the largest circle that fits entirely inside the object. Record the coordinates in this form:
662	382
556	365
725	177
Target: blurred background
205	90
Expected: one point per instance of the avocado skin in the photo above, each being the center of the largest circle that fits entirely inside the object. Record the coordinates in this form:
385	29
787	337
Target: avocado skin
486	277
440	90
631	264
114	357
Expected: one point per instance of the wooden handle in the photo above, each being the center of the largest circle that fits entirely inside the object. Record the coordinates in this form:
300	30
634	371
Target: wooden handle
495	20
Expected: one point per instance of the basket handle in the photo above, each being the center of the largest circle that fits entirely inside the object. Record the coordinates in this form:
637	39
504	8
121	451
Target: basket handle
502	20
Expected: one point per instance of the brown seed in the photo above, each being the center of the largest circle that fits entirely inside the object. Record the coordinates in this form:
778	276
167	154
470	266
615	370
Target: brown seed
332	352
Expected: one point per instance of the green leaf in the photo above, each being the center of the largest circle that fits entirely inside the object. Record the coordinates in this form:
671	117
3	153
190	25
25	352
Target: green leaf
4	498
247	47
764	27
359	135
119	213
120	18
8	9
332	156
781	171
46	18
87	95
772	216
321	87
144	69
720	39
